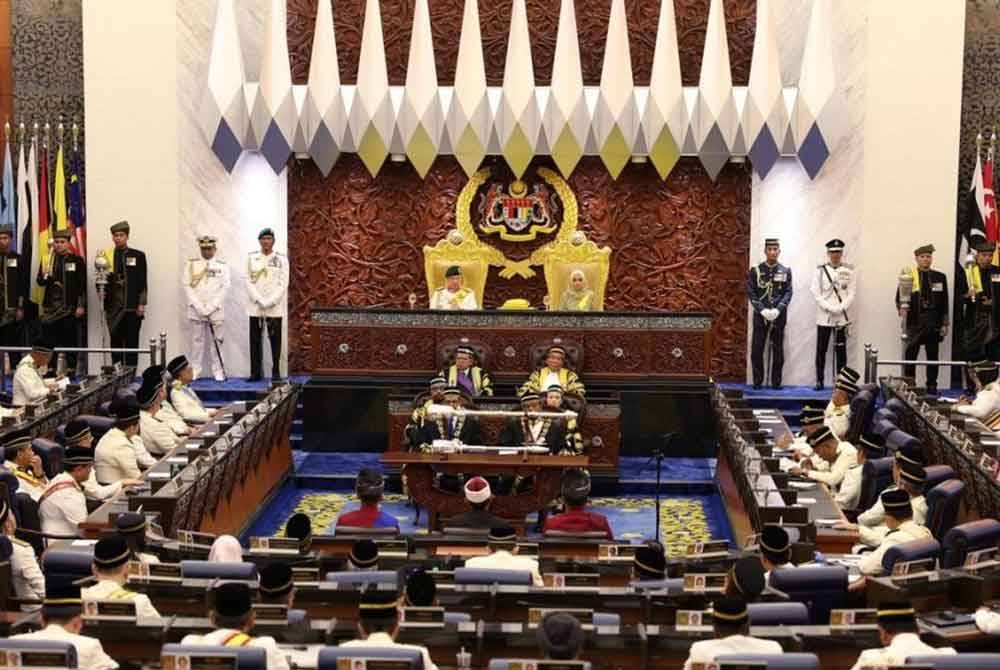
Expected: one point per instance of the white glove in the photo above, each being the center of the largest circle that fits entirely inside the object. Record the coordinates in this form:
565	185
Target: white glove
770	314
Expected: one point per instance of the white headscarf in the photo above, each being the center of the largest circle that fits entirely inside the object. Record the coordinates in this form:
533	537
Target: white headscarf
226	549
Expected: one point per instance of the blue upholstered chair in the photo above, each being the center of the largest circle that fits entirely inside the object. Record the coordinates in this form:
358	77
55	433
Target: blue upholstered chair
51	454
778	614
222	570
789	661
937	474
900	439
957	661
363	577
329	657
883	426
876	475
247	658
490	576
71	565
895	405
943	502
862	411
960	540
820	588
910	551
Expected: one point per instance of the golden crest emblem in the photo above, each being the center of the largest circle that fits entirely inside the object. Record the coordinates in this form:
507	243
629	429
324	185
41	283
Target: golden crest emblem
517	215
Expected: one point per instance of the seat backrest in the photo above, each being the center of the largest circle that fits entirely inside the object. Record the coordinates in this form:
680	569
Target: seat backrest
900	439
957	661
247	658
943	502
29	522
329	657
574	353
607	619
363	577
895	405
70	564
935	474
778	614
860	415
63	649
512	663
446	352
883	426
98	424
910	551
51	454
820	588
876	475
218	570
789	661
492	576
960	540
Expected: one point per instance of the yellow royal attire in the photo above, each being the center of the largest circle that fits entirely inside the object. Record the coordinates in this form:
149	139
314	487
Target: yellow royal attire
543	378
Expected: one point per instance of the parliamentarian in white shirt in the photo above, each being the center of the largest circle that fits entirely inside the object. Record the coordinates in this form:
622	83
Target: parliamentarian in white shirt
897	630
157	437
869	447
29	386
502	556
24	463
840	456
911	478
378	623
77	434
902	529
110	567
731	624
115	455
26	576
184	399
63	506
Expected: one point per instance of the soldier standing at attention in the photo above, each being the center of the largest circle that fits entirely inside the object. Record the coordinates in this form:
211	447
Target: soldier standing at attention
267	282
125	299
833	287
64	303
769	287
11	291
979	287
206	282
453	295
926	313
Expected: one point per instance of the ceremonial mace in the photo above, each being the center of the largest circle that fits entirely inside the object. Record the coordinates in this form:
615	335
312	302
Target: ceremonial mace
905	293
101	268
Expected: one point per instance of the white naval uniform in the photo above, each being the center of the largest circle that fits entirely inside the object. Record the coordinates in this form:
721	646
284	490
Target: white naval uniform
871	522
267	282
383	640
847	456
830	311
27	577
157	437
908	531
504	560
850	488
276	659
29	387
63	506
706	651
26	481
985	403
114	457
206	283
462	299
89	652
107	589
188	404
902	646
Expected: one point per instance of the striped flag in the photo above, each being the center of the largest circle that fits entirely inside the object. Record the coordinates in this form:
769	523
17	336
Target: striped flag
77	215
8	216
60	216
29	210
44	220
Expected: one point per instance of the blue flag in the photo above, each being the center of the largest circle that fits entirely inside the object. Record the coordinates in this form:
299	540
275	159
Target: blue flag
8	216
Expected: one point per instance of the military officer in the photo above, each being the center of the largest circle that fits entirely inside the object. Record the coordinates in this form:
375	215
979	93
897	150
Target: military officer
24	464
125	296
26	576
63	507
833	287
926	313
206	282
110	567
115	457
64	303
184	399
553	373
12	289
979	288
267	282
453	295
897	630
769	287
902	529
29	387
466	374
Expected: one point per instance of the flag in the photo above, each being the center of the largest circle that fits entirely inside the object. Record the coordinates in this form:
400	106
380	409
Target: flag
7	196
44	218
29	245
973	228
77	215
24	212
989	201
59	214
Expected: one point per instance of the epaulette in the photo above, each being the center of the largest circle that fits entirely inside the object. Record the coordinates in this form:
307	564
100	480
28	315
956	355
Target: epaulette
18	541
849	266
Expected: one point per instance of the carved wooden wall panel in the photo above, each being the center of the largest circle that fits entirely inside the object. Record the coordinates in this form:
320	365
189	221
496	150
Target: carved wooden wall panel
679	245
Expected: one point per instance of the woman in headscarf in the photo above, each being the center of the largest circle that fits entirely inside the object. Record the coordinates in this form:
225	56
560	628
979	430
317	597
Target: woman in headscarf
577	297
226	549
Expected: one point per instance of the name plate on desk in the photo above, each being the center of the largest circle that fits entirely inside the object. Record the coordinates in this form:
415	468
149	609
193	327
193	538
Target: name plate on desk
732	665
693	620
982	559
705	582
109	610
527	548
199	661
192	539
616	551
541	665
561	580
271	614
853	619
442	576
703	549
392	546
373	663
305	575
139	571
422	616
536	614
274	545
904	571
12	657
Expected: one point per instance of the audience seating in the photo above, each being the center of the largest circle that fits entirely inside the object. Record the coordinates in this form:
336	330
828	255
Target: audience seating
211	570
363	577
910	551
329	657
883	426
247	658
937	474
98	424
820	588
51	454
960	540
491	576
957	661
943	502
790	661
895	405
778	614
900	439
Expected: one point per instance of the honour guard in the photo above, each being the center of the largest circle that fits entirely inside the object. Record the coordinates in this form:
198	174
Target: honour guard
64	303
979	288
206	282
833	287
267	282
125	297
926	313
453	295
554	373
466	374
769	287
12	289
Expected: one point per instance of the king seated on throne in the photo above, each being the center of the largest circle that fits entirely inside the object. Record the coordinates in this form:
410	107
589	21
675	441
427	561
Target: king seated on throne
453	295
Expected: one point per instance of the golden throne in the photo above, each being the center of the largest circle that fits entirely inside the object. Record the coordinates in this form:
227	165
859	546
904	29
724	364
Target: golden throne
473	260
594	262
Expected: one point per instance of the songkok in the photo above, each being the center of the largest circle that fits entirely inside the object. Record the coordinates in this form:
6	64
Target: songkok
177	365
14	441
819	437
555	388
873	445
436	381
985	245
4	511
649	563
925	249
420	589
266	232
811	416
370	483
76	431
835	245
559	635
477	490
111	552
62	597
774	539
771	242
364	554
453	271
730	609
62	234
232	599
556	349
502	533
121	227
206	242
914	474
6	229
747	575
912	454
276	579
129	523
469	351
147	393
452	391
42	346
575	485
76	456
528	397
125	409
850	374
152	374
378	605
846	385
896	613
299	526
897	503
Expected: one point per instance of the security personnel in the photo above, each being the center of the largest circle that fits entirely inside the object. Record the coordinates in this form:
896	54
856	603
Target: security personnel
132	527
466	374
833	287
503	555
110	567
979	288
378	623
926	313
769	287
26	576
24	464
554	373
731	623
267	283
206	282
453	296
125	296
63	506
29	387
115	457
12	289
902	529
897	630
183	398
233	618
157	437
64	302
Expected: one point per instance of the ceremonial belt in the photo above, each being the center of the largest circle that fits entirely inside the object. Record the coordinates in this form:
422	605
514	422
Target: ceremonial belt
122	594
57	487
237	640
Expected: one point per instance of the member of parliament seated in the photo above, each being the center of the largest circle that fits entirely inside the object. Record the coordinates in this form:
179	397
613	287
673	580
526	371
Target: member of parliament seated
578	297
77	434
746	579
503	555
453	296
649	566
225	549
158	438
869	447
479	496
897	631
775	549
231	614
553	373
131	526
299	527
182	396
168	414
378	624
902	529
983	378
420	589
560	636
277	587
110	569
363	556
25	575
29	386
466	374
731	627
577	519
63	505
830	461
24	464
115	455
369	489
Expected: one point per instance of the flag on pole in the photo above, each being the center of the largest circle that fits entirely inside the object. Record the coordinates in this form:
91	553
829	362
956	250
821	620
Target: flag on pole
989	201
77	215
973	228
24	212
60	216
29	248
7	196
44	218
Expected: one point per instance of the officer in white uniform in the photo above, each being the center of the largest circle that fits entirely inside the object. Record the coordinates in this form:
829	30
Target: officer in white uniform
233	618
378	623
897	630
115	456
453	296
157	437
267	283
63	506
902	529
61	622
26	576
110	567
24	464
502	545
185	400
731	622
206	283
29	387
833	287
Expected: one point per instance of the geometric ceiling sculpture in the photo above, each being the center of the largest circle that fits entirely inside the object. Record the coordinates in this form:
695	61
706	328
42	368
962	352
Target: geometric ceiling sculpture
816	118
372	119
420	120
470	119
222	113
765	119
715	120
567	120
665	119
324	118
274	118
616	118
517	120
